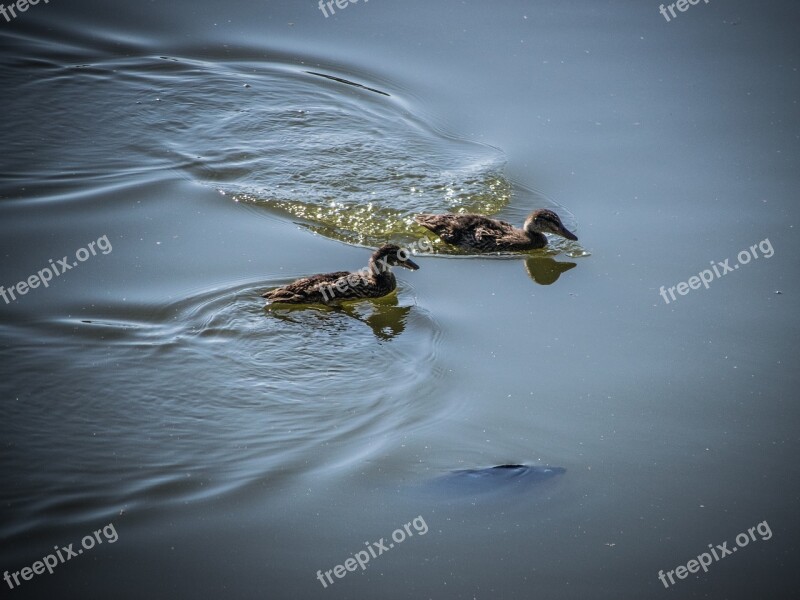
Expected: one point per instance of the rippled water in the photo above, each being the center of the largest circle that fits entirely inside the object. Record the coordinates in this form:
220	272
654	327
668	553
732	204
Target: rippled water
298	386
342	159
346	160
270	391
228	149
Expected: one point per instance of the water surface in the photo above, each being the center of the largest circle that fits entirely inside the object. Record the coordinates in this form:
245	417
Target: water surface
237	450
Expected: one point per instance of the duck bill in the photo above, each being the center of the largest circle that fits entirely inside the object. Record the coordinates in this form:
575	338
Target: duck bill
410	265
567	234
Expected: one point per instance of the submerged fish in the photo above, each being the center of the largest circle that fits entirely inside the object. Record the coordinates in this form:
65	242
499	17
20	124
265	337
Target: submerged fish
496	479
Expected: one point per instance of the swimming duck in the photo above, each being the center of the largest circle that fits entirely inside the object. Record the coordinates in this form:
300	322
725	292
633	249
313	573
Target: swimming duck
476	232
373	281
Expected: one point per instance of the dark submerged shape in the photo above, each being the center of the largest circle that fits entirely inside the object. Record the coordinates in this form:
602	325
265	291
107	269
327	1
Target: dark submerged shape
373	281
504	473
476	232
502	478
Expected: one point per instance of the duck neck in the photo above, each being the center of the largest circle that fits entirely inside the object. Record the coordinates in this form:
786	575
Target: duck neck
379	269
539	240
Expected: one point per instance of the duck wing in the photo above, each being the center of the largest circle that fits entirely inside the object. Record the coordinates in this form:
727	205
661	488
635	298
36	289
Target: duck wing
308	290
466	230
436	223
490	231
477	232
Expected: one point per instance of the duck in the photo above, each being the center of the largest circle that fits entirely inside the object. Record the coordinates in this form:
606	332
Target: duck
477	232
373	281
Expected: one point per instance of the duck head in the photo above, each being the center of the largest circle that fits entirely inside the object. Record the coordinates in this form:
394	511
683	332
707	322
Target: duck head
546	221
391	255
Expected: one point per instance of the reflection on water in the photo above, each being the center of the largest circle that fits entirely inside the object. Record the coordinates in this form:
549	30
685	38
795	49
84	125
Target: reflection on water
142	388
209	393
384	316
210	371
343	158
155	401
545	270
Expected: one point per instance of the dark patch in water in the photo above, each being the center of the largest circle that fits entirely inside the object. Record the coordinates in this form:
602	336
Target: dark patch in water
346	82
546	271
501	478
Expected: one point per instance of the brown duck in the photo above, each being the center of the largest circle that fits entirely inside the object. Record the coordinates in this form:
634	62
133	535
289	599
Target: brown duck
476	232
373	281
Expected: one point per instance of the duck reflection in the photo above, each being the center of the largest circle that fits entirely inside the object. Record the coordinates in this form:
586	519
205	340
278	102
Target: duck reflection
545	270
384	316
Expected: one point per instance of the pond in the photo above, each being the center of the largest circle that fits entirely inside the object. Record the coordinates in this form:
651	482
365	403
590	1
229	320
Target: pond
586	420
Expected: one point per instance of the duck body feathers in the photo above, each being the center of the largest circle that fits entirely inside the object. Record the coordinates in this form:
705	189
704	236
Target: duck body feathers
476	232
326	288
373	281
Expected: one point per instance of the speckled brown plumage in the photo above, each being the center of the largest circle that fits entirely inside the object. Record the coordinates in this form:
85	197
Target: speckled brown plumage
373	281
476	232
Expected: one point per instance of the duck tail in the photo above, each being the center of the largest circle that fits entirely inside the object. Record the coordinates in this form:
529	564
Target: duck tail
428	221
281	295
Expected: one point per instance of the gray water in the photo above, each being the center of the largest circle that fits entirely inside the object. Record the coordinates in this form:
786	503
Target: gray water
212	151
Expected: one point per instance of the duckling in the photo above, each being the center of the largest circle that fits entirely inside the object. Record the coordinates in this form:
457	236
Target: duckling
476	232
373	281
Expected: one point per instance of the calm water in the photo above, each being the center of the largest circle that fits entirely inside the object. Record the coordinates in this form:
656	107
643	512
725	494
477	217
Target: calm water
183	158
